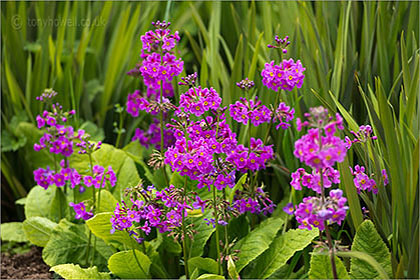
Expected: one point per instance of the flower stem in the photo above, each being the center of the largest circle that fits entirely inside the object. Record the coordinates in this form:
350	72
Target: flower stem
216	222
327	231
117	143
184	243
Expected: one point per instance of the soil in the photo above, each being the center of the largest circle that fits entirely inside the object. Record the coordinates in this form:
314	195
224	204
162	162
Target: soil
25	266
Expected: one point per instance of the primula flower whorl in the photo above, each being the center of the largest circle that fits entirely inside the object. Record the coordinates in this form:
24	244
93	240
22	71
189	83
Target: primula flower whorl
287	75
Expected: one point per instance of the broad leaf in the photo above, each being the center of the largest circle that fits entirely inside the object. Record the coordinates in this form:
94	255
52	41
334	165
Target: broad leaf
38	202
204	232
107	201
206	264
71	271
123	166
100	225
13	232
131	264
321	268
257	241
281	250
38	230
68	244
367	240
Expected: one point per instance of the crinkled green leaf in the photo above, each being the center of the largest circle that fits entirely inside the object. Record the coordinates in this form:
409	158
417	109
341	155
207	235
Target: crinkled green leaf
368	240
38	230
13	232
101	226
281	250
68	244
71	271
257	241
131	264
321	268
46	203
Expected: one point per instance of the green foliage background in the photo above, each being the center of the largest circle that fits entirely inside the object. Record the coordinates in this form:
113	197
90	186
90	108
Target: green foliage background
361	59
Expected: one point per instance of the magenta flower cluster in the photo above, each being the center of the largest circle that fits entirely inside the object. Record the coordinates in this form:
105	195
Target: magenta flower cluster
80	210
259	203
287	75
157	209
320	149
46	177
199	100
253	158
313	180
364	182
151	137
361	136
100	177
284	115
243	110
318	212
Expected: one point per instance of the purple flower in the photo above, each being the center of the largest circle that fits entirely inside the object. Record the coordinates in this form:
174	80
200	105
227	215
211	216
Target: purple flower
199	204
289	208
287	75
198	100
283	115
244	110
80	210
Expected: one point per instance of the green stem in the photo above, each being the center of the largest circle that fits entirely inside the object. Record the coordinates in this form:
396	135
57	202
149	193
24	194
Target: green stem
216	221
117	143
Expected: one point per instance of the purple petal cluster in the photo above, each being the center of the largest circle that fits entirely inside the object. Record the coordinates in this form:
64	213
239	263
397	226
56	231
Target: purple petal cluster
318	150
287	75
280	43
198	100
47	177
47	95
100	176
315	211
80	210
283	115
160	38
254	158
361	136
151	137
200	154
157	68
256	204
243	111
364	182
157	209
246	84
313	180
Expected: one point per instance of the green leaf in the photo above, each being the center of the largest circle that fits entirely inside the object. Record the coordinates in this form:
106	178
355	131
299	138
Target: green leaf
206	264
321	268
130	264
369	241
39	202
13	232
122	164
211	276
71	271
68	244
281	250
204	232
233	273
38	230
170	245
108	201
257	241
101	226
